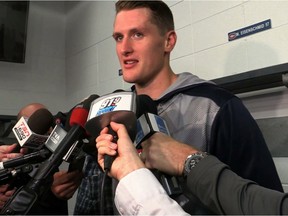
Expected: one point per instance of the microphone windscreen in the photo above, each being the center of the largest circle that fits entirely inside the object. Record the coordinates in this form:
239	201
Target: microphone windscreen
145	104
78	117
80	113
40	121
87	102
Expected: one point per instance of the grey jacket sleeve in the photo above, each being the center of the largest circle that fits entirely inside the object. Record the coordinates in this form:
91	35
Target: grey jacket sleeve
225	192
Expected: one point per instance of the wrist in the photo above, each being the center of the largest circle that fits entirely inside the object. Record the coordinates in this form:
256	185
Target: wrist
130	167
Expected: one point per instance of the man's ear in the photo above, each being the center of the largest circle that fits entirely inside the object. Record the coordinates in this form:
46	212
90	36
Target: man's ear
170	42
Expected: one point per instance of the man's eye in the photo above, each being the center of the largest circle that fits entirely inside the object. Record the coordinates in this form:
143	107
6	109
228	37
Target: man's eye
138	35
118	38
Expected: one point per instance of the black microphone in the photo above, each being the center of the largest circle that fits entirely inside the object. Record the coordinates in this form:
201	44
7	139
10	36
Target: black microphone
60	118
118	107
40	121
146	108
32	133
34	157
148	123
18	173
24	198
78	119
76	156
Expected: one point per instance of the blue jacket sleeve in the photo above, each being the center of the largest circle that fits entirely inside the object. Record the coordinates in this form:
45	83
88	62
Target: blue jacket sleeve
238	141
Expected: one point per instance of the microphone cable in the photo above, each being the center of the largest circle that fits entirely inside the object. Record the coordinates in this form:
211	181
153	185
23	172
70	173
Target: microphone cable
103	183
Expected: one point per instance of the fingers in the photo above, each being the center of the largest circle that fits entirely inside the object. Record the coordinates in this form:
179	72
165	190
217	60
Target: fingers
12	155
3	188
120	129
65	184
105	147
5	196
7	148
5	152
63	177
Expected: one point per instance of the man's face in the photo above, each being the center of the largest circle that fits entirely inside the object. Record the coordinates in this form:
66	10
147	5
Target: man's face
139	45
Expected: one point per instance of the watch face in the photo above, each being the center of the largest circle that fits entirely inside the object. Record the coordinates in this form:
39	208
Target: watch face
192	161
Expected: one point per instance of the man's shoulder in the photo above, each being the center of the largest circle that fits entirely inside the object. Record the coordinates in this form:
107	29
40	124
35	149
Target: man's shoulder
200	89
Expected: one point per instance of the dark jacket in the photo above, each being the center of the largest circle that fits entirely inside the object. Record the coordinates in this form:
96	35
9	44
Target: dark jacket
225	192
208	117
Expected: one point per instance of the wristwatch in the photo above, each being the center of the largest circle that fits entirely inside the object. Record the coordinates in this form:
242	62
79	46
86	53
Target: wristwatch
192	160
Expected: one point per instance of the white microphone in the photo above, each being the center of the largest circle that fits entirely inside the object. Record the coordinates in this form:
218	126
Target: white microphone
119	107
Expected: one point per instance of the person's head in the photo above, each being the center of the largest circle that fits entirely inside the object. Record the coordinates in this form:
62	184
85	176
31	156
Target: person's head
161	14
145	36
29	109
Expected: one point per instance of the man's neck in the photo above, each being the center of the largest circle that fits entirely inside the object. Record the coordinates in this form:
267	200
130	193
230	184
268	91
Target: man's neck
155	88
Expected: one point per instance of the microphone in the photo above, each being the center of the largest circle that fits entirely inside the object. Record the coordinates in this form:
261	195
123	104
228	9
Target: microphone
60	118
32	133
34	157
81	111
77	121
39	122
76	156
147	124
24	198
118	107
146	109
18	173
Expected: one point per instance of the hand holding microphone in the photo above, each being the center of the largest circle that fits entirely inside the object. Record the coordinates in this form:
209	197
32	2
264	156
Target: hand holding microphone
31	133
25	197
121	107
6	152
127	159
118	107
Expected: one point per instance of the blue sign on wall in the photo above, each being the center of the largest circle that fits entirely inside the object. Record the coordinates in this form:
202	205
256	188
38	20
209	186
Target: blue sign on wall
249	30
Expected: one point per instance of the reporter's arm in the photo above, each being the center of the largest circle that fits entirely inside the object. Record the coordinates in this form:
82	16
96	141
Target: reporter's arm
140	193
227	193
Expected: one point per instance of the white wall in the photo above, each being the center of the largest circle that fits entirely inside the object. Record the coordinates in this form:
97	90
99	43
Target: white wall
75	37
42	77
203	28
92	65
202	48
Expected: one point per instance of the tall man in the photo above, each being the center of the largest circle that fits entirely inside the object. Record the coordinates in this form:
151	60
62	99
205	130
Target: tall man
196	111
